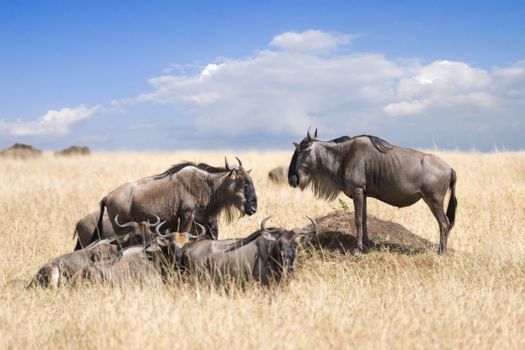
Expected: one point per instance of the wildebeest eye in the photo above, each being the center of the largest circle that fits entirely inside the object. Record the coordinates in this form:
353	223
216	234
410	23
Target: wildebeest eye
304	145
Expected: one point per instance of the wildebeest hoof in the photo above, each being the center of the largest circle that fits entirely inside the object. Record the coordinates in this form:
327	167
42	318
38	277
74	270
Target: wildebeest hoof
356	251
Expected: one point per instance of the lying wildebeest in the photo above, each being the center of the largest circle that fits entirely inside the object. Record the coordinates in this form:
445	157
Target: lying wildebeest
160	258
84	229
277	175
61	269
266	255
132	265
103	261
181	193
367	166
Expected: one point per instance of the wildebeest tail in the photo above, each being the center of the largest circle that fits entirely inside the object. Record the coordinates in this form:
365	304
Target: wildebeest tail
452	202
78	246
98	229
19	284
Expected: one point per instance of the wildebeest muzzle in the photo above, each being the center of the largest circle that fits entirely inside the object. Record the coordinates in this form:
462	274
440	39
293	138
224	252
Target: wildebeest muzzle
250	205
293	180
293	177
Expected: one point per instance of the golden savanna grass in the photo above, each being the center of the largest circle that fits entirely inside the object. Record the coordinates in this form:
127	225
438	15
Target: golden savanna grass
473	298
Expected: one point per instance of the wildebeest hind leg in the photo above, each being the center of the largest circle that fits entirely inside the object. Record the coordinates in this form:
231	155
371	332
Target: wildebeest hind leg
436	206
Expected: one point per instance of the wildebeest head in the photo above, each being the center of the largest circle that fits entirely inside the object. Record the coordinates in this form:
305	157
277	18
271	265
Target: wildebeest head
241	186
169	247
286	243
138	233
302	160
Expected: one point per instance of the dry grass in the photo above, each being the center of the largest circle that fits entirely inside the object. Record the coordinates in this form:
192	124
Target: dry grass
472	299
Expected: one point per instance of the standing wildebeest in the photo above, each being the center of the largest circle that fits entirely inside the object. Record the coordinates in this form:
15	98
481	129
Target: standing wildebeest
266	255
182	194
367	166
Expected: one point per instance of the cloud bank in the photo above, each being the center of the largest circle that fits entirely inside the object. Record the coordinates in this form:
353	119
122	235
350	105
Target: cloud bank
305	79
309	78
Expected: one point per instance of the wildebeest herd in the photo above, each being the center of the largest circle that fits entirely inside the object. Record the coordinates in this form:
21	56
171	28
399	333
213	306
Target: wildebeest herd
167	224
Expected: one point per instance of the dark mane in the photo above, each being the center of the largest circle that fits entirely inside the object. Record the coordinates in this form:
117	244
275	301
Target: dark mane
380	144
341	139
202	166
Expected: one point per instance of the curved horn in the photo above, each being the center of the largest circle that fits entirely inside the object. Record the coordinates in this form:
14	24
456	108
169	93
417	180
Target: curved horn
226	165
155	223
201	228
240	163
308	134
315	133
157	229
314	223
189	235
263	225
264	221
128	224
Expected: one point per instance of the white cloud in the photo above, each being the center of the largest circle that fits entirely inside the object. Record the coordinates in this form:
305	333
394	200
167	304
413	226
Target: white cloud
406	107
441	84
53	122
313	41
289	86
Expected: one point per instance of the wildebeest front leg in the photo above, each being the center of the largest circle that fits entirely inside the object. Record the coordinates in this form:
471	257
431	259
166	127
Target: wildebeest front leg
359	201
366	240
186	221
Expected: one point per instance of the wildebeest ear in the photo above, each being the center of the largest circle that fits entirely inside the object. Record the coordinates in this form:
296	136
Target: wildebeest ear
249	171
162	241
123	239
97	256
153	249
296	145
267	235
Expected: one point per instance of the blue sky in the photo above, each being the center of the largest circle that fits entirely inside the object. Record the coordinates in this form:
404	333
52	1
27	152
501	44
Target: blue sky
172	75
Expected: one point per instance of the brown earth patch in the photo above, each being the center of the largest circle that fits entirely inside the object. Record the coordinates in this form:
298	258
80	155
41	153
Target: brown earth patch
337	232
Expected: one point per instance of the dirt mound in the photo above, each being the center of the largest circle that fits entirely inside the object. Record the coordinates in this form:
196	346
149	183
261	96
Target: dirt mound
337	232
74	151
20	150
